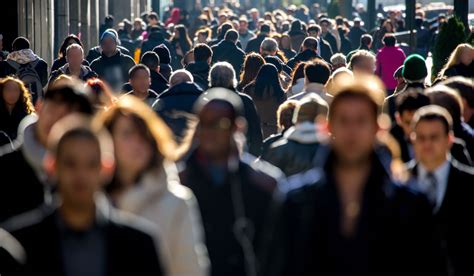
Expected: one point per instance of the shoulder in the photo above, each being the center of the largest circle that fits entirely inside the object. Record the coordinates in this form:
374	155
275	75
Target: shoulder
262	173
29	221
130	225
464	170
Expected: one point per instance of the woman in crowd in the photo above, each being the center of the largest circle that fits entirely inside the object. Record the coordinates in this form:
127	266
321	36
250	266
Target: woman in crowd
61	60
181	44
15	104
285	46
460	62
297	80
267	93
252	64
146	183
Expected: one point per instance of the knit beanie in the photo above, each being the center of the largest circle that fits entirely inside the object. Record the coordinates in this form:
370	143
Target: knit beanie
414	68
108	34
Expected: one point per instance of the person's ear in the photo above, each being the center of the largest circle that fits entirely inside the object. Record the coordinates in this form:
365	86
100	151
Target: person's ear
108	168
158	69
38	105
240	125
451	138
49	165
398	118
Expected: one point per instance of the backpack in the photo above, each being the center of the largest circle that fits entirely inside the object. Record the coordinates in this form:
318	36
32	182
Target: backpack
28	75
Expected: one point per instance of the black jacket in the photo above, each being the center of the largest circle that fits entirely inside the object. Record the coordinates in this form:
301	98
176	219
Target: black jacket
306	55
175	104
86	73
130	250
228	51
158	83
329	37
114	69
200	72
254	44
218	213
326	50
96	52
355	34
254	135
453	225
394	221
60	62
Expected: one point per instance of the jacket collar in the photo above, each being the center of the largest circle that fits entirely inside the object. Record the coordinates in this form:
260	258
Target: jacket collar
304	133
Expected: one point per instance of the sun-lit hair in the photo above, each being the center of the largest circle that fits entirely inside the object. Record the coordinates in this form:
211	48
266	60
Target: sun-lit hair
24	102
151	127
454	58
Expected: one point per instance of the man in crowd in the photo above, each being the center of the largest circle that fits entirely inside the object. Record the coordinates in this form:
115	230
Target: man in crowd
356	32
362	63
201	65
316	74
245	34
365	44
74	67
233	194
140	81
227	50
324	48
447	184
158	83
308	52
327	35
112	66
254	43
82	234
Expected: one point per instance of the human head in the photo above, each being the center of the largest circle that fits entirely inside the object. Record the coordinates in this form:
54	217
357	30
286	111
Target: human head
362	62
407	104
142	140
220	114
80	159
243	24
139	77
252	64
69	40
338	60
203	53
325	24
20	43
310	109
222	74
74	56
60	100
317	71
102	95
465	88
310	43
353	116
285	42
153	19
285	114
232	36
431	136
180	76
265	29
163	53
463	54
449	99
151	60
414	69
108	43
366	41
109	21
314	30
389	40
268	47
14	95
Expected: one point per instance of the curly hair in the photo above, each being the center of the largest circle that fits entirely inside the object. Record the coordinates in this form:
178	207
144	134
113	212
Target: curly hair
24	103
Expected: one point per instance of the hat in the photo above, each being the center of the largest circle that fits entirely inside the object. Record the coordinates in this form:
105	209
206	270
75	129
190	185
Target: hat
108	34
414	68
164	53
398	73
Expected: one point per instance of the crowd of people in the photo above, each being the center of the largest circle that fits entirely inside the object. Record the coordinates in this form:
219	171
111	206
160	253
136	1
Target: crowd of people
230	143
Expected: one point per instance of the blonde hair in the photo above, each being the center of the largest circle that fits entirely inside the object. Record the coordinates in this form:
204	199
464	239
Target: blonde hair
454	57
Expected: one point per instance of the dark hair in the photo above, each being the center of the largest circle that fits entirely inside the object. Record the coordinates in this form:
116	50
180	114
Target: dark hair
163	53
136	68
267	84
433	113
223	30
231	35
448	98
75	96
265	28
109	19
202	52
151	60
152	15
310	43
314	28
365	40
464	86
298	72
252	64
411	100
317	71
64	45
285	114
389	40
20	43
184	41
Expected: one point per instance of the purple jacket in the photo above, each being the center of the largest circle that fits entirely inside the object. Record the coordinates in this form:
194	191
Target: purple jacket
388	61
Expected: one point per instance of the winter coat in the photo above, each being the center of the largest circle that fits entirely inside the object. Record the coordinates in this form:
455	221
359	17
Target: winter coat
316	88
296	38
295	152
388	60
254	44
113	69
160	198
96	52
306	55
60	62
200	72
296	88
150	99
158	83
86	73
228	51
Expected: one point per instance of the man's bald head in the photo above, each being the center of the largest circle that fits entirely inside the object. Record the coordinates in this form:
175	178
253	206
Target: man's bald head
180	76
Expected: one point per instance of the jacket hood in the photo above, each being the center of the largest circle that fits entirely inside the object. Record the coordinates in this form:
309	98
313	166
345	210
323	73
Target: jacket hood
304	133
198	67
23	56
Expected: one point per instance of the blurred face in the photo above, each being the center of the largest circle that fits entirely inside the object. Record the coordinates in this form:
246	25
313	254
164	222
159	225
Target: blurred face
466	56
137	25
404	121
78	171
313	34
202	38
285	42
324	27
11	93
132	151
176	34
141	81
365	66
48	114
222	19
430	142
109	46
353	127
243	25
215	132
74	58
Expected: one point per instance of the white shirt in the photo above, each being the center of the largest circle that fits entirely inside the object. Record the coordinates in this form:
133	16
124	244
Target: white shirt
441	174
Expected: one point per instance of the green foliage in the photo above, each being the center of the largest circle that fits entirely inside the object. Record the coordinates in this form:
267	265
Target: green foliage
333	9
450	35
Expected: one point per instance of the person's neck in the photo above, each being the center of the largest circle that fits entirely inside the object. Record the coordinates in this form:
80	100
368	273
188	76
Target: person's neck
78	218
111	54
126	177
10	108
361	165
139	94
433	165
75	71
